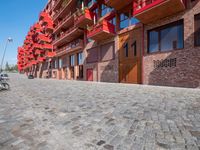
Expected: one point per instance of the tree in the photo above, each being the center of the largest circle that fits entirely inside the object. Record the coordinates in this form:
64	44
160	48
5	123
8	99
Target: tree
7	67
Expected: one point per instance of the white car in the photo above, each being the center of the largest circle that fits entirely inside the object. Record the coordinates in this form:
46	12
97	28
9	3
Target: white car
4	76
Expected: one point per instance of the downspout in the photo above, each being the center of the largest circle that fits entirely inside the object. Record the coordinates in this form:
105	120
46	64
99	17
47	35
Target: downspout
142	53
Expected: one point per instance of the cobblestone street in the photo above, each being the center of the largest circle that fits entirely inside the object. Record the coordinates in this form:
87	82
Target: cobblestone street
50	114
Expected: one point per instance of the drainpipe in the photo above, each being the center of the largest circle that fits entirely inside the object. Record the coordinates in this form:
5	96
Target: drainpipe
142	53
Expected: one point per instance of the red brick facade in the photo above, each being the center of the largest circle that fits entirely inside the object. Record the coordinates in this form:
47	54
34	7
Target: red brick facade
187	70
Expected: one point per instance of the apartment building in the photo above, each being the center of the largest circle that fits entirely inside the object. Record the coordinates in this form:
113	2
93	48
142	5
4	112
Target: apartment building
152	42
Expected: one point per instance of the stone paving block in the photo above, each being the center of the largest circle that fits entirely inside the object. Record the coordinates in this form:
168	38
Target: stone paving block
58	115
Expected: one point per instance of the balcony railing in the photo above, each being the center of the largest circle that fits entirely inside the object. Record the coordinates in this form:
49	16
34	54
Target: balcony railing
56	4
64	21
43	15
102	30
73	46
62	9
68	35
37	46
33	62
83	18
49	27
41	59
150	10
42	37
38	52
51	54
118	4
47	46
47	21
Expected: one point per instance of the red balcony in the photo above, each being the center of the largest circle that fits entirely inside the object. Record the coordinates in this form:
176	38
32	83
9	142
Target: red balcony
64	9
51	54
68	36
41	59
101	31
37	26
84	18
37	46
38	52
150	10
47	21
65	23
33	62
43	15
43	38
118	4
47	46
49	27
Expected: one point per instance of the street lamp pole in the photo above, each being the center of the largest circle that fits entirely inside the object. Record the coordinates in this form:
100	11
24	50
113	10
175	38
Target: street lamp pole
8	40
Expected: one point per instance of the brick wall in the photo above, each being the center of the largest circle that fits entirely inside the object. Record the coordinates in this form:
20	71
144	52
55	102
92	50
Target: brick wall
186	71
105	70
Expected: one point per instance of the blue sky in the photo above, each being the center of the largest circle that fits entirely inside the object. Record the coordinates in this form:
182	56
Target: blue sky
16	17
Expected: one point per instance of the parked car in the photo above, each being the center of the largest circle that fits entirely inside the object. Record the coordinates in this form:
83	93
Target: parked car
30	76
4	76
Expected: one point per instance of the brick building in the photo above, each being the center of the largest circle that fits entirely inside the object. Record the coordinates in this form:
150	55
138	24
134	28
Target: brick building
134	41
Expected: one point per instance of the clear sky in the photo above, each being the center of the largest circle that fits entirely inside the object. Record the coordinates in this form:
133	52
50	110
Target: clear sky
16	17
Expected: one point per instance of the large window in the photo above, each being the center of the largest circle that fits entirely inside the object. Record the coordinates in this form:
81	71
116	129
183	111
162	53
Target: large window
91	2
72	60
165	38
80	58
60	63
124	20
197	30
105	10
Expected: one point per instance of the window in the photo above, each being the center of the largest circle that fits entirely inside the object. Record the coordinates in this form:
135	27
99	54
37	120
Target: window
113	21
124	20
105	10
55	64
72	60
197	30
80	58
153	41
134	21
60	63
127	20
165	38
91	2
64	61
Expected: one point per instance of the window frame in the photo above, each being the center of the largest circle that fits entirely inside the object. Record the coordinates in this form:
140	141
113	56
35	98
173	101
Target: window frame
196	32
159	29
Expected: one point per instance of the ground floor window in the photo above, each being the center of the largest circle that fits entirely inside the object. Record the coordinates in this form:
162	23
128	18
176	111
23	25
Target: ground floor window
72	60
80	58
197	30
165	38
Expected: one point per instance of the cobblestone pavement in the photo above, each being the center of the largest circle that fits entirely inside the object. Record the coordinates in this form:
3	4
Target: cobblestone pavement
45	114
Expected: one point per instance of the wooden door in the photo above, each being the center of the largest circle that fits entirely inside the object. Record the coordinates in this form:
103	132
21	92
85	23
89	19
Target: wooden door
130	57
89	74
